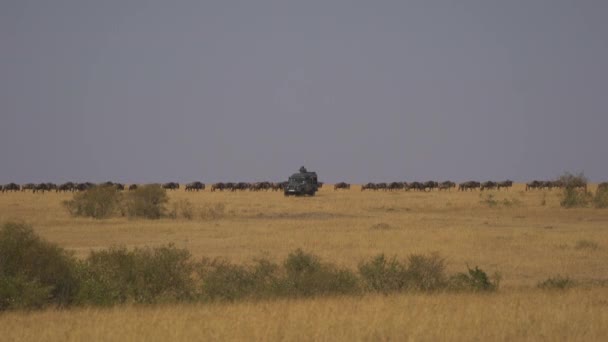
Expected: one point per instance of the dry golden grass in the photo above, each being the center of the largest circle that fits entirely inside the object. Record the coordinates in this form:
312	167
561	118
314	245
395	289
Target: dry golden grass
527	239
576	315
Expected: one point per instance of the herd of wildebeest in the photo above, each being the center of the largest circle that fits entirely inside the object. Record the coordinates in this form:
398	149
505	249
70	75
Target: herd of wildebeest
279	186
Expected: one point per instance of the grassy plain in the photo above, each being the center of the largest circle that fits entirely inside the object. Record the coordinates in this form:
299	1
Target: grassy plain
525	236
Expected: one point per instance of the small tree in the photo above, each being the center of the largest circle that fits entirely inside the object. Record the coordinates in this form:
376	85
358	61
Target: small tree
97	202
148	201
575	190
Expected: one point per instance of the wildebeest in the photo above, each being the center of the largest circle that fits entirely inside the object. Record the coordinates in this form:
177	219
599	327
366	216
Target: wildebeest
28	186
505	184
66	187
279	186
489	185
368	186
395	186
10	187
171	186
132	187
341	185
535	184
447	185
42	187
218	186
416	186
470	185
195	186
84	186
430	185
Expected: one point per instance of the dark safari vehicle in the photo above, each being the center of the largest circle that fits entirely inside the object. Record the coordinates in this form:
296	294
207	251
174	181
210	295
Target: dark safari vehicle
302	183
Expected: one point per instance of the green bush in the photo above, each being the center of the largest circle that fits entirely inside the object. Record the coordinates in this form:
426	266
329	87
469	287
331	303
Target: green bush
475	280
148	201
383	275
306	276
417	273
17	292
34	272
98	202
557	283
213	211
575	198
222	280
144	275
425	272
600	200
182	208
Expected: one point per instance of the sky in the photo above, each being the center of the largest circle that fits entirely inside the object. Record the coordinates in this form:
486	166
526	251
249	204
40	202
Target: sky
152	91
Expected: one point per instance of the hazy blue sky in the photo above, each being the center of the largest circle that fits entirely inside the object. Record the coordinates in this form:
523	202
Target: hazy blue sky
144	91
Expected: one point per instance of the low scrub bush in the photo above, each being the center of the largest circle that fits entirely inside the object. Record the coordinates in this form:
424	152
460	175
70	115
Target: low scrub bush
557	283
213	211
475	280
33	272
222	280
97	202
306	276
575	198
382	274
182	208
144	275
148	201
600	200
417	273
586	244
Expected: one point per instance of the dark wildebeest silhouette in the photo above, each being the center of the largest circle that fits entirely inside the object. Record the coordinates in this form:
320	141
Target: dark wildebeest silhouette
447	185
171	186
28	186
489	185
218	186
195	186
10	187
368	186
132	187
395	186
66	187
505	184
341	185
416	186
430	185
470	185
535	184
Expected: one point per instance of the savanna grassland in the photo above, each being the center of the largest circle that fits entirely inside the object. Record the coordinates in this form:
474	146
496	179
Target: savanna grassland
526	237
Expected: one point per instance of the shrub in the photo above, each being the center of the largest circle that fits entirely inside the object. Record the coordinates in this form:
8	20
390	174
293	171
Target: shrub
97	202
146	275
306	276
182	208
569	180
600	200
475	280
488	200
586	244
557	283
425	272
222	280
575	198
33	272
382	274
213	211
147	201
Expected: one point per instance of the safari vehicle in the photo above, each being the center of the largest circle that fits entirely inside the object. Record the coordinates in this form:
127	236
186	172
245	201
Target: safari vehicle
302	183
